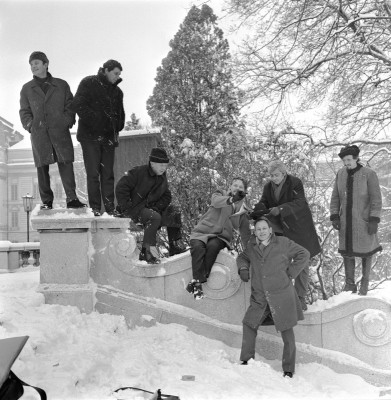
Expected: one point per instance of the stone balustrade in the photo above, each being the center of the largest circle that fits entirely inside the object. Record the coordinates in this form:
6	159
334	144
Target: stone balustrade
17	255
92	263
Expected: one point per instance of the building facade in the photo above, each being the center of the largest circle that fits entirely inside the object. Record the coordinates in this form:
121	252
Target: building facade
18	175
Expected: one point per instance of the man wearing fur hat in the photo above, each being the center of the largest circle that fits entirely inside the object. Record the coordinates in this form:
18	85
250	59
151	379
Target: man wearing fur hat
99	104
143	195
355	209
45	112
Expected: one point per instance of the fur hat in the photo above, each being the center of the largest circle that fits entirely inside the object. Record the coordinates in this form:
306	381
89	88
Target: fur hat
38	55
352	150
158	155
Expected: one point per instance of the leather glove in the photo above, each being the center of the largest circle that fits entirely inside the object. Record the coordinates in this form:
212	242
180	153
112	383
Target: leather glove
372	227
244	274
275	211
239	195
336	224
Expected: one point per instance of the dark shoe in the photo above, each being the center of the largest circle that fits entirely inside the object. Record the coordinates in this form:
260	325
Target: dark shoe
96	212
76	203
303	303
244	363
195	287
198	293
176	247
190	286
147	256
349	287
288	374
114	213
47	206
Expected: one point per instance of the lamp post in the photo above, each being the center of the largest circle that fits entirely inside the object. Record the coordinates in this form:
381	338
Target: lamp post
28	206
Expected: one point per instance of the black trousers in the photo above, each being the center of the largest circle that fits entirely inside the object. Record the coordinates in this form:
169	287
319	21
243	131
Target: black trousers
99	165
203	256
288	353
152	221
67	178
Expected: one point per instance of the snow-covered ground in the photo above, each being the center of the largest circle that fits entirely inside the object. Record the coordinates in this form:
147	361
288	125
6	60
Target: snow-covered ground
77	356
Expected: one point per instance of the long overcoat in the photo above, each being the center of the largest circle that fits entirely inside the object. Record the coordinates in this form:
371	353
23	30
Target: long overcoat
48	118
142	188
295	218
271	272
355	201
221	219
99	105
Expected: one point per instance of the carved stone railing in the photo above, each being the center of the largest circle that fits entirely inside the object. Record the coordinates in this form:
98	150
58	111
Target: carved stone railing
17	255
92	263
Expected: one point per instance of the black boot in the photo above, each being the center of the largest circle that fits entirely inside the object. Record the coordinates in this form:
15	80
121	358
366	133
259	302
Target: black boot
195	287
350	265
146	255
366	270
176	247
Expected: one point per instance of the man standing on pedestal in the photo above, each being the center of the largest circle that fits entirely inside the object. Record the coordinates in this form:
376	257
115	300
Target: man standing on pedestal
45	113
99	104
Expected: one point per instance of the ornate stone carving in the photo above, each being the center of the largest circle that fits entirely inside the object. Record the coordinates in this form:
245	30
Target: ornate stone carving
372	327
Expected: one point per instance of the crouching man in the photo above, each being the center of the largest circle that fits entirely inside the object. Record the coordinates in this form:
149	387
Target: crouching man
143	195
272	262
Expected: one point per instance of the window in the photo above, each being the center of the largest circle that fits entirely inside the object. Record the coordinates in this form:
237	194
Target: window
14	219
58	191
14	192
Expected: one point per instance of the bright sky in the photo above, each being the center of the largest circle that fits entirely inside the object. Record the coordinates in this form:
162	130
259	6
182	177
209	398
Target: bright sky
79	36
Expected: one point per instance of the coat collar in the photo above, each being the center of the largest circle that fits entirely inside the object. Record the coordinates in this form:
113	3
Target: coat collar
103	80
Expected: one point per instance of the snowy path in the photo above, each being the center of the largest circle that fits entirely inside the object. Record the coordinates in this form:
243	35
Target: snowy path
77	356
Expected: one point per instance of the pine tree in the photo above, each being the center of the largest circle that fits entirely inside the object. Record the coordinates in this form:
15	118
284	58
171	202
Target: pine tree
133	124
194	93
196	104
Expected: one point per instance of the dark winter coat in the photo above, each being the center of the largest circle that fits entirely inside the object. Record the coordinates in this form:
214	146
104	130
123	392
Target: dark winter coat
221	220
355	202
295	218
271	272
99	105
48	118
142	188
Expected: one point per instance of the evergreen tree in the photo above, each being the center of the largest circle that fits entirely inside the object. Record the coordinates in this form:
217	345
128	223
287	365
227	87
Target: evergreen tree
133	124
196	104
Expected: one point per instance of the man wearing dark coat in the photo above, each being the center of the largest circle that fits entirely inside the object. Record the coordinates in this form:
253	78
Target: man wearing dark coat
143	195
46	114
272	262
283	201
99	104
355	209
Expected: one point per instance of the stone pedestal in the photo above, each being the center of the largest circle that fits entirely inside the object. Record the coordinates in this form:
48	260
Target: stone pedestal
65	237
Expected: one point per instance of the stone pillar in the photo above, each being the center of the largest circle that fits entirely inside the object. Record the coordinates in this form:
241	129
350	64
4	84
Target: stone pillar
65	256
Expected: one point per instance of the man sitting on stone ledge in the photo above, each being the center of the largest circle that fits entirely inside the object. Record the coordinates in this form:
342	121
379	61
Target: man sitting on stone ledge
143	195
215	230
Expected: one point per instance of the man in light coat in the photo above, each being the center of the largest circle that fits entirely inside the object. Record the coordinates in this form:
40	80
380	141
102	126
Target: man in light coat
215	230
272	262
45	113
355	209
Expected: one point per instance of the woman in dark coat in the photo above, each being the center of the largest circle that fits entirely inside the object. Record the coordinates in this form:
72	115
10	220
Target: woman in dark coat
283	201
272	262
355	209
